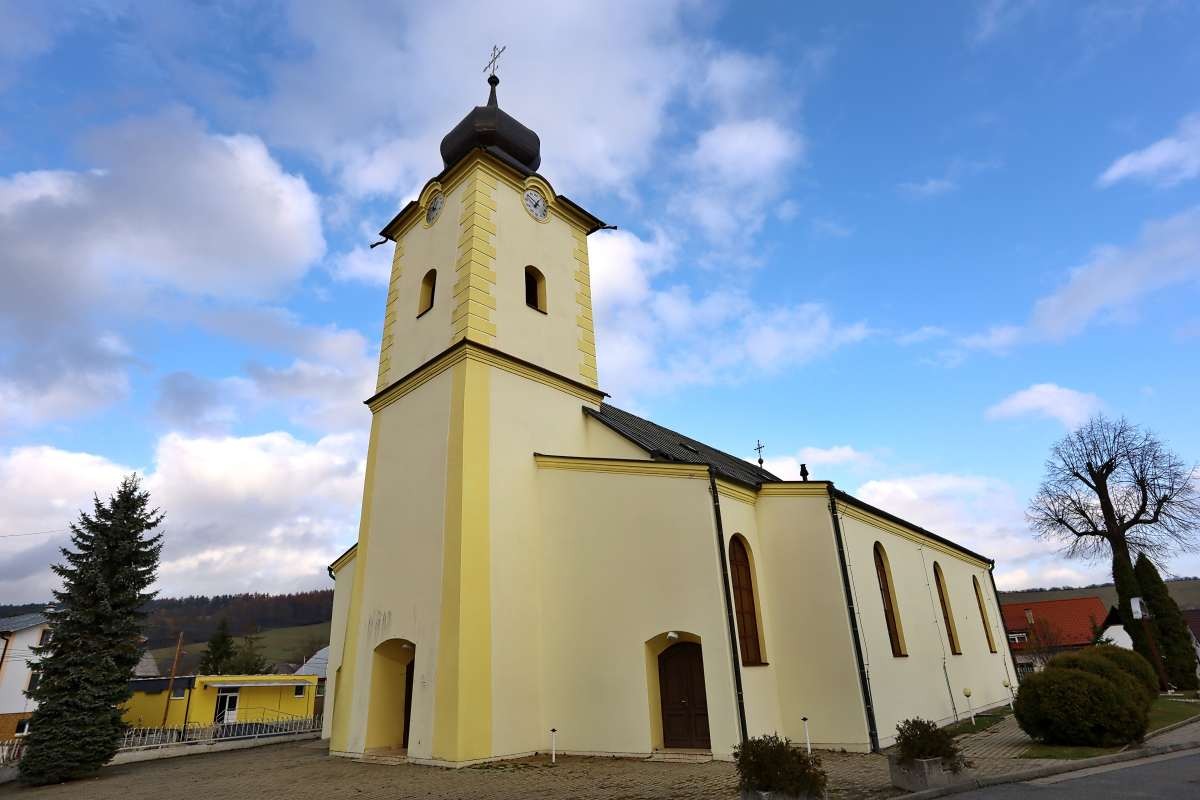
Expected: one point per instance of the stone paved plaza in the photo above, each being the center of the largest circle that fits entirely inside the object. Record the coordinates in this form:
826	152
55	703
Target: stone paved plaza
303	771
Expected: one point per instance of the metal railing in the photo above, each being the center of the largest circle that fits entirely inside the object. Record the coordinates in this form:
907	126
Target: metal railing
263	727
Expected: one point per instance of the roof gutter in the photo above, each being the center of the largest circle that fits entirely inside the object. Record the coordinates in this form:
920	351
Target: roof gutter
864	679
733	640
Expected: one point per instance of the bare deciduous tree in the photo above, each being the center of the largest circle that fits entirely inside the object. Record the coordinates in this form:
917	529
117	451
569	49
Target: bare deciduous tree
1112	489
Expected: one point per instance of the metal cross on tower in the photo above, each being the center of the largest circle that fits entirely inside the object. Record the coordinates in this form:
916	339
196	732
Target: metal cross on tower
759	447
491	65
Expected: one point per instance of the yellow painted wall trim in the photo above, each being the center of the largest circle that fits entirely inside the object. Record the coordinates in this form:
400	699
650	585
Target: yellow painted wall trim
389	317
462	726
345	558
735	492
862	515
491	172
468	351
618	466
471	316
794	489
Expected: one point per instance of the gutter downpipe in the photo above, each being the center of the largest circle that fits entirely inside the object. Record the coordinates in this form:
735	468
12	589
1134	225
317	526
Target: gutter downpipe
733	646
864	679
1013	680
4	653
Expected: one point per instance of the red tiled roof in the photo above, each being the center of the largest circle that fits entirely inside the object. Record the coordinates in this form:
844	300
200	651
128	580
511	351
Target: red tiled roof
1072	619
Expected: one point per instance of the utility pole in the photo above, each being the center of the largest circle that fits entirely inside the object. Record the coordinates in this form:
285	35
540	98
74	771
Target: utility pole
171	680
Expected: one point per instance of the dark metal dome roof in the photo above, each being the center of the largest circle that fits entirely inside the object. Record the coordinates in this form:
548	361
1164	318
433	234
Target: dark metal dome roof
489	127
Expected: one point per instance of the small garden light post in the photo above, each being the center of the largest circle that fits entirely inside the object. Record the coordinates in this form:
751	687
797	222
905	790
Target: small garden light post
807	740
970	707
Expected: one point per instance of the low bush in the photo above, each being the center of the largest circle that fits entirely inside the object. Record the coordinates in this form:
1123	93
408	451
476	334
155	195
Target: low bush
1132	662
920	738
772	764
1108	669
1074	707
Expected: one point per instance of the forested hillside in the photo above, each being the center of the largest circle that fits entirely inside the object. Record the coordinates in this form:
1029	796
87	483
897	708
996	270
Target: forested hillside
1185	591
197	616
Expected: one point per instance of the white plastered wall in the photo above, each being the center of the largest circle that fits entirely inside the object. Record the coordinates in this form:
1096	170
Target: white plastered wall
14	672
929	681
628	557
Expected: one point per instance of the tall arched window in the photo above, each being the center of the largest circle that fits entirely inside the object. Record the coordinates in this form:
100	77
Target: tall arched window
891	613
535	289
428	287
947	611
987	626
743	602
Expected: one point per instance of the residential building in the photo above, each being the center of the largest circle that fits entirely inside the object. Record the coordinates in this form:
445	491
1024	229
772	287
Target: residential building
18	636
1038	630
316	665
209	699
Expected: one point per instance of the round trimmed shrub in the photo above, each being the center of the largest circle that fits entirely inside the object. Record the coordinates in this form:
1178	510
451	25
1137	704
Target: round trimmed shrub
1132	662
1105	668
772	764
1074	707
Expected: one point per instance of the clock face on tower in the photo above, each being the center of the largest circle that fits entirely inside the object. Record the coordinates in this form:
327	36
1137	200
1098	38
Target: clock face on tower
536	205
434	208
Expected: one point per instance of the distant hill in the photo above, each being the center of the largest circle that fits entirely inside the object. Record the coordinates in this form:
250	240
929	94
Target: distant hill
1186	592
287	647
197	616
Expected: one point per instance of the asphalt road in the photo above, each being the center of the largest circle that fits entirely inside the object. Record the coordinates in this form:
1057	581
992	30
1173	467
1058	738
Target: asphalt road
1173	775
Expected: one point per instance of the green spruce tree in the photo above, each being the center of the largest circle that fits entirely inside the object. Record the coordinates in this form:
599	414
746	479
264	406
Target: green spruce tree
95	643
1170	628
220	652
247	659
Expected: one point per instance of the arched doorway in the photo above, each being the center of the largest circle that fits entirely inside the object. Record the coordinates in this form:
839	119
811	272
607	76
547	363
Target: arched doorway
681	690
391	695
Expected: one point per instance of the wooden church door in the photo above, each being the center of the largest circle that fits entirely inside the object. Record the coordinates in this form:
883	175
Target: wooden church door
681	690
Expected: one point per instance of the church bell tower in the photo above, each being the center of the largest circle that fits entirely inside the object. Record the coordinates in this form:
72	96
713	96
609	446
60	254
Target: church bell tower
488	354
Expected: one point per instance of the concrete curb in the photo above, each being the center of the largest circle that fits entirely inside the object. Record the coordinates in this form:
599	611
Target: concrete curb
1053	769
1173	726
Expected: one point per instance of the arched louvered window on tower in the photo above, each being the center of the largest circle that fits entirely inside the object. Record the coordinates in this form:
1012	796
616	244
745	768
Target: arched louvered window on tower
535	289
887	593
947	609
428	289
745	609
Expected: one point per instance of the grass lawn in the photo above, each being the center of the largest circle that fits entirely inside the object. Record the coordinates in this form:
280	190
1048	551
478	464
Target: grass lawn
1164	712
983	721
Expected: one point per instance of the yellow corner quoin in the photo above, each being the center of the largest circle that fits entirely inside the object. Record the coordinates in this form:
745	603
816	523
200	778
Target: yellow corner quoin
462	728
475	273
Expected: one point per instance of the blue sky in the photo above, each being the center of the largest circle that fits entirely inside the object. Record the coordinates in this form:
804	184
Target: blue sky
907	245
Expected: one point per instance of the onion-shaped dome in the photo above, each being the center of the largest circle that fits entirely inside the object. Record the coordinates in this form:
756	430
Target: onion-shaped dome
490	128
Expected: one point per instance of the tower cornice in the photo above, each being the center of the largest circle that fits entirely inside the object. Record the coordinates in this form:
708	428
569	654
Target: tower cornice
501	169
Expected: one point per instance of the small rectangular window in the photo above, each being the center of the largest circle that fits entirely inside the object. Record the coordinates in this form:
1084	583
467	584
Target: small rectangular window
22	727
299	691
178	691
44	637
35	677
320	690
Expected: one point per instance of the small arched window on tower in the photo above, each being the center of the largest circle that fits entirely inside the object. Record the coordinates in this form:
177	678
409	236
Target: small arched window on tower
742	575
428	287
891	613
983	615
947	610
535	289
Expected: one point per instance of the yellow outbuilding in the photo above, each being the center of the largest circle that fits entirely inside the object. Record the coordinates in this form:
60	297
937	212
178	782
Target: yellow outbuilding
535	565
217	699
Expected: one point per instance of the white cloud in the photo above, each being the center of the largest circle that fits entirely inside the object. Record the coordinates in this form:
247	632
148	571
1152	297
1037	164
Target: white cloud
995	17
930	187
258	513
365	265
924	333
788	467
168	207
1167	162
652	339
1167	253
1050	401
997	339
832	228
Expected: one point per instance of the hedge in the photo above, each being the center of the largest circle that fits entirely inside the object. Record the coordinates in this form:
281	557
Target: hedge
1073	707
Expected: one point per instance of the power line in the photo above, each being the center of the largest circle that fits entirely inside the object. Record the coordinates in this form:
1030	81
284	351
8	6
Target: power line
34	533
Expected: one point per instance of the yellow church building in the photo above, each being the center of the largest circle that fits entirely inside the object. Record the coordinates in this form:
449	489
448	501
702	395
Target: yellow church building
534	562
